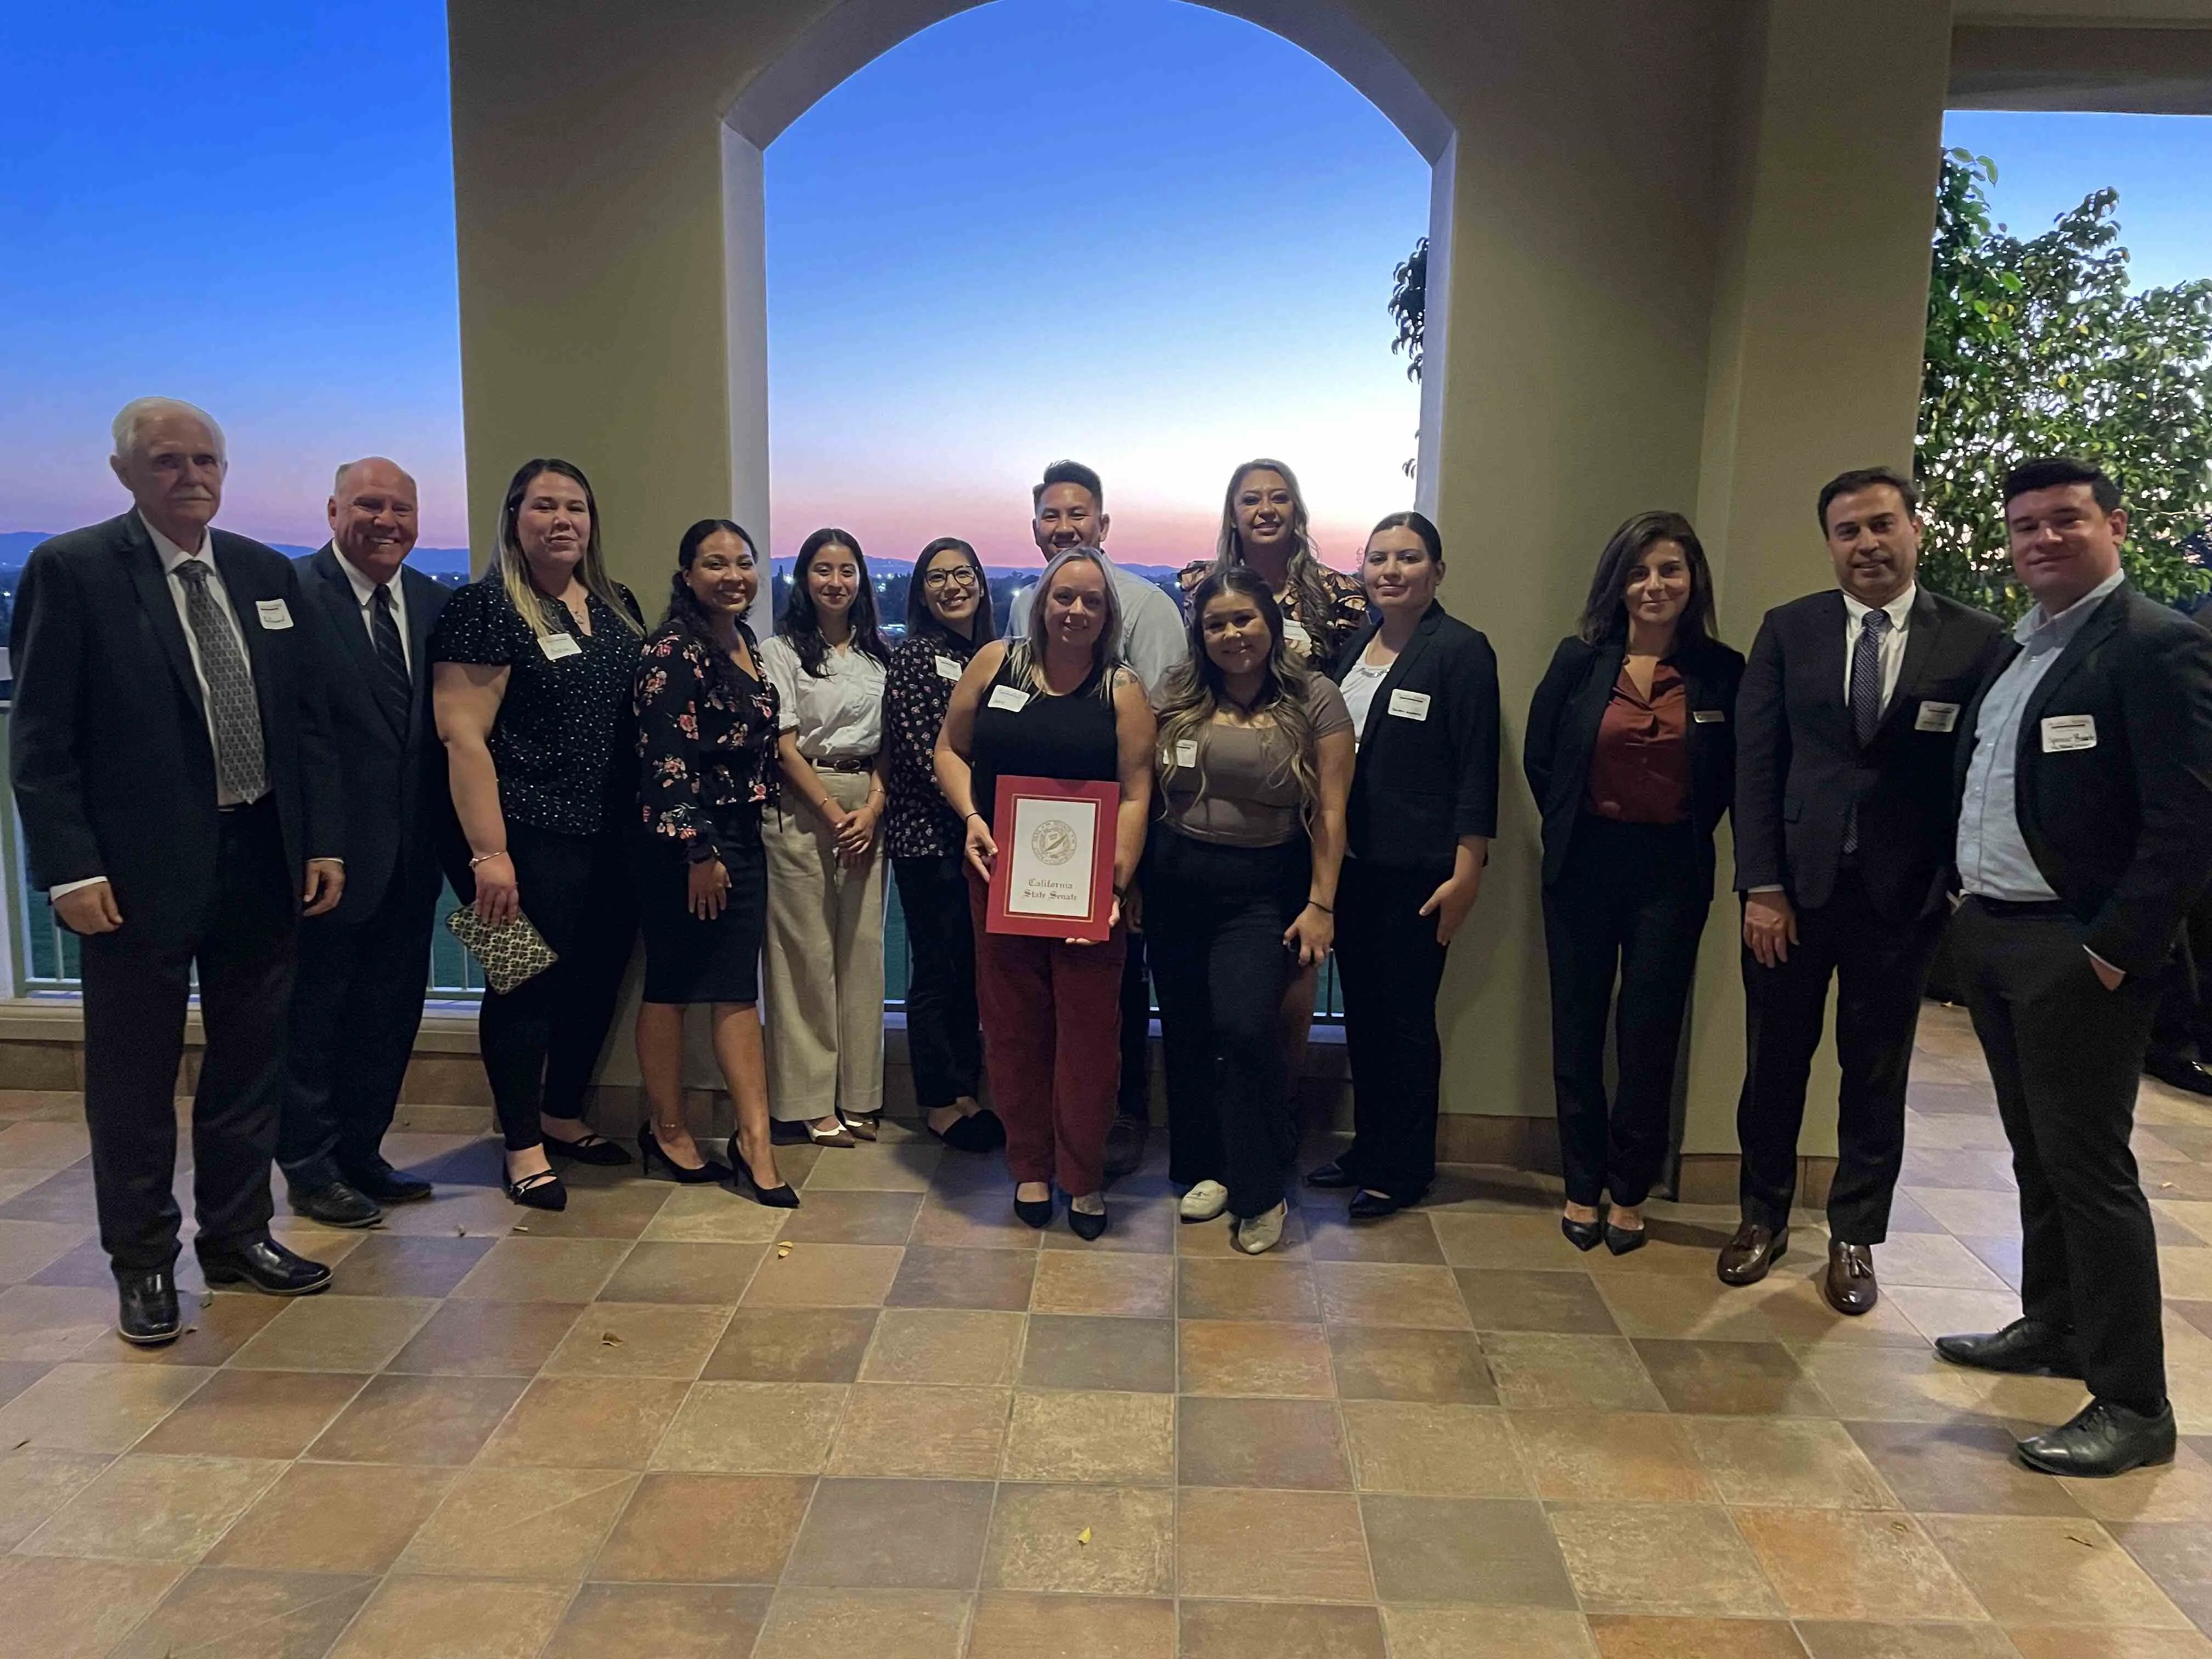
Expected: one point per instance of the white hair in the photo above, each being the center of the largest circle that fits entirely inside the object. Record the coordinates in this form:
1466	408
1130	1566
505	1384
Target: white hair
135	413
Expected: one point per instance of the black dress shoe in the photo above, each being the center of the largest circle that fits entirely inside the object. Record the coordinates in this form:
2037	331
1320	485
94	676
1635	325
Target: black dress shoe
2107	1439
337	1206
1086	1223
146	1306
2178	1072
1037	1212
775	1198
587	1148
979	1132
264	1265
705	1173
1330	1175
1372	1207
389	1186
1622	1240
541	1191
1125	1143
1582	1234
2024	1347
1746	1258
1850	1284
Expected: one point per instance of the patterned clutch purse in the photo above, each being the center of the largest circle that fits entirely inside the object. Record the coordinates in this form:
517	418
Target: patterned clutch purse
508	954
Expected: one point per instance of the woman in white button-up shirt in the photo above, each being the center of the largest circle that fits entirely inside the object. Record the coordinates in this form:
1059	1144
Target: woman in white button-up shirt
823	985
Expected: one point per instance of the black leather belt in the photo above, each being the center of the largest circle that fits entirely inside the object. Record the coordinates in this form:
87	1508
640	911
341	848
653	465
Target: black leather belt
854	763
2023	907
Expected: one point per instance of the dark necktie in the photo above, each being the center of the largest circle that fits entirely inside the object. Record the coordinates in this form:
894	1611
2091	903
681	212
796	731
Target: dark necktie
1866	699
395	687
240	773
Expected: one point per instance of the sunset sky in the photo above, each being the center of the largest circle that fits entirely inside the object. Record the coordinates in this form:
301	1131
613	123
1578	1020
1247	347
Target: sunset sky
1136	232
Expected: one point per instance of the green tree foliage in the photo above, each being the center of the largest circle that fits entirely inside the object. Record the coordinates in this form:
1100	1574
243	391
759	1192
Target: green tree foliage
1409	308
2039	348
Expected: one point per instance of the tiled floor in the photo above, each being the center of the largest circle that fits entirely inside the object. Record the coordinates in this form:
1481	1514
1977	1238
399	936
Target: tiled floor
899	1425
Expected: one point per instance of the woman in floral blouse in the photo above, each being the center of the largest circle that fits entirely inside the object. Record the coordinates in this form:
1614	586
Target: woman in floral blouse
707	732
948	615
1263	526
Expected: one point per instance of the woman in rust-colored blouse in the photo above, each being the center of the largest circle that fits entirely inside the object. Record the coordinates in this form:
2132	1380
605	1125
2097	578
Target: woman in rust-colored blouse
1630	751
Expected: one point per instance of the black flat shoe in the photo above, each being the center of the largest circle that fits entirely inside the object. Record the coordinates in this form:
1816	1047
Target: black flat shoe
2023	1348
337	1206
542	1191
1330	1175
264	1265
2107	1438
146	1306
1037	1212
650	1151
980	1131
1084	1224
1372	1207
1622	1240
587	1148
1582	1234
776	1198
389	1186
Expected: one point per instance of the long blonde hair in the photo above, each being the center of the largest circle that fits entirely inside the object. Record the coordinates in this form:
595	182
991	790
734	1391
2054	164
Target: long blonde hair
1025	655
1193	690
1302	576
511	569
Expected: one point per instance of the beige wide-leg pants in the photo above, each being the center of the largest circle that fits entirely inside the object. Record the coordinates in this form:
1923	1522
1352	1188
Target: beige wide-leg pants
822	987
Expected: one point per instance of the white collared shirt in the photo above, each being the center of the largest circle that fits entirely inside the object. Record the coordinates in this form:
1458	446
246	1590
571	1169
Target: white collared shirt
1892	643
837	713
364	590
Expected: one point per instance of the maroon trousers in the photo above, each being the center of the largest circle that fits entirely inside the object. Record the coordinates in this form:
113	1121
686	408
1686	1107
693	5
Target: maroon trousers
1052	1044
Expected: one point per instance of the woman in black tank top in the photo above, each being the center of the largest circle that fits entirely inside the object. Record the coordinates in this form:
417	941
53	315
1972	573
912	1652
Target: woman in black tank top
1056	704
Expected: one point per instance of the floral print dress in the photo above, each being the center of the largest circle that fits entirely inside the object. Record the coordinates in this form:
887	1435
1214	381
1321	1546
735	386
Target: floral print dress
706	746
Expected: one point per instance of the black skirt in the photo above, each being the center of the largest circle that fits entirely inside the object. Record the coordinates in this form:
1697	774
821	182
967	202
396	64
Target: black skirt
688	960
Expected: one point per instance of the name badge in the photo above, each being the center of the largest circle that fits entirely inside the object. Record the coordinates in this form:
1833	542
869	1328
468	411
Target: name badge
1009	698
1937	717
947	669
1186	752
557	646
274	613
1709	716
1410	705
1296	637
2064	734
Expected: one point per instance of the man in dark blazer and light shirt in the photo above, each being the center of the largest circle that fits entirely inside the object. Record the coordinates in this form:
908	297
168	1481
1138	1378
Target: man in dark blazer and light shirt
179	807
2085	836
1846	722
359	999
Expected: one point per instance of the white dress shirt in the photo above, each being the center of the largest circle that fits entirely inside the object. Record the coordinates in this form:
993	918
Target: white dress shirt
364	590
1892	643
838	713
1152	637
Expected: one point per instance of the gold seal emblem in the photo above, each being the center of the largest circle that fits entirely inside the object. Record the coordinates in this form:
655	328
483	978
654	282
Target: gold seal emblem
1053	841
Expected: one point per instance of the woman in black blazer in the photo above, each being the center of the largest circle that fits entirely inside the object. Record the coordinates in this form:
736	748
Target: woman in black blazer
1422	689
1630	751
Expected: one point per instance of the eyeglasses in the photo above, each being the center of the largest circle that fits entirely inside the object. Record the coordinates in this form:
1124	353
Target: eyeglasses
960	577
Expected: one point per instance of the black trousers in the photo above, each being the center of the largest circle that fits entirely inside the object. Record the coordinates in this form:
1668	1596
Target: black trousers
541	1041
1880	967
1627	910
944	1033
2183	1024
135	998
1391	967
1133	1097
2066	1054
355	1009
1215	917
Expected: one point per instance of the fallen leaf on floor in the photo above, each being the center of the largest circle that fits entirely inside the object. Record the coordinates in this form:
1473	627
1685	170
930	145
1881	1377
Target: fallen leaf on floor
1083	1537
781	1251
609	1339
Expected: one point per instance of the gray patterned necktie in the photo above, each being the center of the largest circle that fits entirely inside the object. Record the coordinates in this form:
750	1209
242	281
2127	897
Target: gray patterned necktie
1866	699
241	772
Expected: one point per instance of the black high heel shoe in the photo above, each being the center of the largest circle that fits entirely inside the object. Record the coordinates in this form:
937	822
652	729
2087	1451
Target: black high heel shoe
541	1191
1582	1234
1622	1240
590	1147
649	1151
776	1198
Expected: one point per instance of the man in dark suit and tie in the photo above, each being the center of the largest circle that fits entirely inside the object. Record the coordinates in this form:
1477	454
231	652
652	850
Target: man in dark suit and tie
179	807
359	999
1845	724
2085	836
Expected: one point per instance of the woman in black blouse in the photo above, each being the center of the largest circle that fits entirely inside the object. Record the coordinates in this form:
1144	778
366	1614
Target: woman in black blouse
532	685
948	615
706	746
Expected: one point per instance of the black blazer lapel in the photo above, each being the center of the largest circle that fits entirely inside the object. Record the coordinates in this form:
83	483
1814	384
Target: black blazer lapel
1585	715
2078	651
152	584
1827	661
421	592
342	610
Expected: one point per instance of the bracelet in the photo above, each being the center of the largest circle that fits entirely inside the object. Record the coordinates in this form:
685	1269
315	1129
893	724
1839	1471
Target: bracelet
486	858
1315	904
975	815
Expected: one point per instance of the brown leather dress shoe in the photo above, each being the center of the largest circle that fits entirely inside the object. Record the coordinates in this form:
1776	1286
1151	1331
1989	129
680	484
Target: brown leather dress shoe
1849	1284
1746	1258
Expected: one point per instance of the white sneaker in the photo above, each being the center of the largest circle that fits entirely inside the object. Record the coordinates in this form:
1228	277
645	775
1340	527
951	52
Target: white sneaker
1204	1202
1260	1233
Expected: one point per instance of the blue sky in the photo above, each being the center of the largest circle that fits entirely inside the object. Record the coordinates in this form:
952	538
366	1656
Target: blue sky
1132	230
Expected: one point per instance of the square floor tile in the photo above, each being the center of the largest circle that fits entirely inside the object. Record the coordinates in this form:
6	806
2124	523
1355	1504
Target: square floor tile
586	1423
1683	1559
391	1264
1259	1629
519	1522
1069	1282
282	1614
920	1429
893	1534
34	1483
1077	1350
255	1414
74	1609
146	1508
1239	1542
1086	1540
486	1339
754	1428
1856	1563
1239	1356
1442	1452
1020	1625
829	1216
1791	1461
1245	1287
1535	1370
940	1276
1450	1632
706	1528
883	1166
331	1333
1440	1367
702	1274
96	1408
475	1618
333	1517
1730	1379
1406	1237
1283	1443
1464	1549
542	1270
418	1419
2050	1571
1632	1457
1650	1635
954	1347
1512	1299
1386	1294
640	1339
792	1344
842	1624
705	1215
1958	1467
1088	1435
668	1621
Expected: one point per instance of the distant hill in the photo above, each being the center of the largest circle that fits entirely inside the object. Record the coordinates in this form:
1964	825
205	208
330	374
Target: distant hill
15	546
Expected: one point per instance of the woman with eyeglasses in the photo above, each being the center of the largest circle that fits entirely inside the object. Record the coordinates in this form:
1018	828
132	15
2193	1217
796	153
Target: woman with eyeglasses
948	616
825	959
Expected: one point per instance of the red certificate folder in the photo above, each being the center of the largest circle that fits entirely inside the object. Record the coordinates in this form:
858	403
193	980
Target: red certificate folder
1054	877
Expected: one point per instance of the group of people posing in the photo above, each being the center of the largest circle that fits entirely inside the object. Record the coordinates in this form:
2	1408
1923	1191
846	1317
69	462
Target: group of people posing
211	742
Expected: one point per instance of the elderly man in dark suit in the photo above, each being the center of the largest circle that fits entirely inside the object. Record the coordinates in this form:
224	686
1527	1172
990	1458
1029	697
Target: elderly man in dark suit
1845	724
2085	836
359	1001
179	806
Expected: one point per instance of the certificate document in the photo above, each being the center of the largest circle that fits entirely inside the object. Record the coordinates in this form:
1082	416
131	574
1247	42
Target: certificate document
1053	876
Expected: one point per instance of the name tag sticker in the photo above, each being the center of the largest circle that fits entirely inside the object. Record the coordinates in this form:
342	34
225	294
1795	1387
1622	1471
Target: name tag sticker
1010	698
2064	734
1709	716
274	613
1186	752
947	669
557	646
1937	717
1410	705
